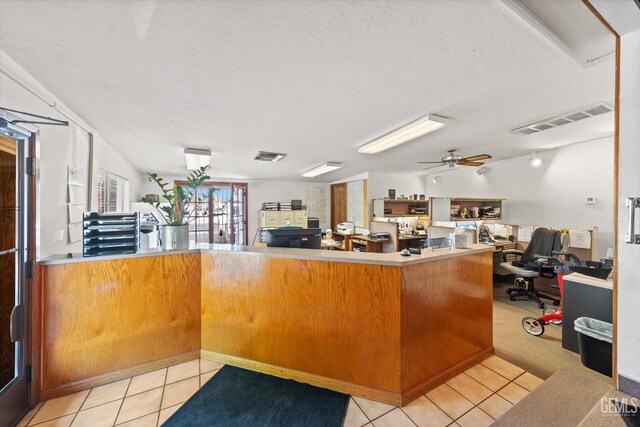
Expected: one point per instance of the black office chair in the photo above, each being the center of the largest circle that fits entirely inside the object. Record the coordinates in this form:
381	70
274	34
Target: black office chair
523	264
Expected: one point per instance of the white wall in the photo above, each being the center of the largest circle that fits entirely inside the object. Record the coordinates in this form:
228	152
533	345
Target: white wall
628	337
260	191
404	184
59	147
552	194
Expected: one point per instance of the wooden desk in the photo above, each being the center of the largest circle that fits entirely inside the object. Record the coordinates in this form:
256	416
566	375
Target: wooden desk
410	240
369	244
381	326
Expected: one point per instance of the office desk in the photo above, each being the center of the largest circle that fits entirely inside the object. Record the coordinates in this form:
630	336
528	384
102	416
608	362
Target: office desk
410	241
370	245
381	326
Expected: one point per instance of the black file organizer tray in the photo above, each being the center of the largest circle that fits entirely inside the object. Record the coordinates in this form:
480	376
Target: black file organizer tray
110	233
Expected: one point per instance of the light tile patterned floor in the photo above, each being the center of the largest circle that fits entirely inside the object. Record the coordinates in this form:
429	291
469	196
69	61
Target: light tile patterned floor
473	398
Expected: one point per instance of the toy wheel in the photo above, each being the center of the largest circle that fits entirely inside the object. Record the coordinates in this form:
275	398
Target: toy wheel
533	326
550	310
520	283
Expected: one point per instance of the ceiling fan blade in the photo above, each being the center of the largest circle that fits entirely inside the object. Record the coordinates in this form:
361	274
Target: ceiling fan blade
442	163
433	167
464	162
476	158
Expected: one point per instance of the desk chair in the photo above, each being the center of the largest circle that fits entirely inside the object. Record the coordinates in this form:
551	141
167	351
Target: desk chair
523	264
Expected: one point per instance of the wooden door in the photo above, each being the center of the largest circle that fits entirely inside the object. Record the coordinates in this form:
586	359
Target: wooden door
338	204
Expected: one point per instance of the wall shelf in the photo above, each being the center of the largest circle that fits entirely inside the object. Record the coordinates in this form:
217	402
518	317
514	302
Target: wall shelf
466	209
388	208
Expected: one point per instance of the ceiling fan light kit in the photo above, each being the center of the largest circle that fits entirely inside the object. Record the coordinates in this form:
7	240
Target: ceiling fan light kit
408	132
322	169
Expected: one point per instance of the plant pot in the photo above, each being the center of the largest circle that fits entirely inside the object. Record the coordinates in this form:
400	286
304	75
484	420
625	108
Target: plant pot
175	237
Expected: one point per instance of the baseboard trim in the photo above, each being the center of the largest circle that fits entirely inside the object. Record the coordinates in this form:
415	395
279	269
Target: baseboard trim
629	386
305	377
109	377
442	377
387	396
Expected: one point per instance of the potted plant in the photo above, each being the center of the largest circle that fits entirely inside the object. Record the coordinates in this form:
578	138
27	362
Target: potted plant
175	208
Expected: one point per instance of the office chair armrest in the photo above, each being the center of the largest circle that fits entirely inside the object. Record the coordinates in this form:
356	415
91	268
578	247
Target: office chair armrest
518	254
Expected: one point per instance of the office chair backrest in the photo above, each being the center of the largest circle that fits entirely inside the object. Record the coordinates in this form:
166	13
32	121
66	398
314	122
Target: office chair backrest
543	242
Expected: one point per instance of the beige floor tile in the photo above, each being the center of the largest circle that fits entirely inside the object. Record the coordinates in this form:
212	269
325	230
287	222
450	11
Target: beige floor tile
471	389
61	406
29	415
179	392
475	418
528	381
354	416
150	420
503	367
495	406
513	393
140	404
183	371
425	413
487	377
98	416
106	393
209	365
58	422
449	401
395	418
206	377
372	408
146	382
166	413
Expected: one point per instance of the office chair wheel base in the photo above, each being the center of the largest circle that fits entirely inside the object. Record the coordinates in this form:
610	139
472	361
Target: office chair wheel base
541	305
550	310
533	326
520	283
556	303
512	298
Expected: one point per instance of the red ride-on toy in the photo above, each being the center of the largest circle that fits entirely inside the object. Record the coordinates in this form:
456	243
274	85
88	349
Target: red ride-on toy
535	325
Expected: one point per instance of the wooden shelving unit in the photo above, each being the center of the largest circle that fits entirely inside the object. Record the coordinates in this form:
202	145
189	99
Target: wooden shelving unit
465	209
388	208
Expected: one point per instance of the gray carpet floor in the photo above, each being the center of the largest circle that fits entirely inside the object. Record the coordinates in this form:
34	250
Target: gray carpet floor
542	356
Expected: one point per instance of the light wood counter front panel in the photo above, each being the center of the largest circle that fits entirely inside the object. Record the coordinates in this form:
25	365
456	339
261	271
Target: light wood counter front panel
447	316
334	320
100	317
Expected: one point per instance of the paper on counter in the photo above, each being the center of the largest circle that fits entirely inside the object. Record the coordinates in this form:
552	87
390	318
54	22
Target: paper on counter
75	232
525	232
75	212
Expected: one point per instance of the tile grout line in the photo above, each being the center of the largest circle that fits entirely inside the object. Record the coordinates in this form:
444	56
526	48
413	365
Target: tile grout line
78	411
36	413
123	398
164	385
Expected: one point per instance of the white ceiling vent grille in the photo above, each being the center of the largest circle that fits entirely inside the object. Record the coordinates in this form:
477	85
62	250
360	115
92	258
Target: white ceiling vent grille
267	156
563	119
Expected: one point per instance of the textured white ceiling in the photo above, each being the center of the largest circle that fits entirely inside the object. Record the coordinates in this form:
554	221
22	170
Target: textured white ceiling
313	79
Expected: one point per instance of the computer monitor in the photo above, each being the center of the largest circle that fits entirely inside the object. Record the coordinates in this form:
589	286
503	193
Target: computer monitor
294	237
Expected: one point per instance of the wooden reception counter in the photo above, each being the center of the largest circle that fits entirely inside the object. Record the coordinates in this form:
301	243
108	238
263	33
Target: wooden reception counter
376	325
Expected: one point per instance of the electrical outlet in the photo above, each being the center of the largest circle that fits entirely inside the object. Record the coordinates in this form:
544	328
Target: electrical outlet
590	200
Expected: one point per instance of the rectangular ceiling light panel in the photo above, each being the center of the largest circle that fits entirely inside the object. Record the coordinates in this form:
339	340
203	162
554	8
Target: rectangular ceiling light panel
413	130
323	168
563	119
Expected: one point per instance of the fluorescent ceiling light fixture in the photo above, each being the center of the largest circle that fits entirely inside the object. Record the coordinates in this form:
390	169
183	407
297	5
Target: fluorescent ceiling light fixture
323	168
197	158
482	170
413	130
436	179
535	161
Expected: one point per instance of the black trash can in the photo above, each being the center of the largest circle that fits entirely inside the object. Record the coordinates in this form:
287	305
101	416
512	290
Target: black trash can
595	339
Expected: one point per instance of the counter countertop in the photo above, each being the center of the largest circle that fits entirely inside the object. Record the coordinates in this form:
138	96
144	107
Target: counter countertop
588	280
392	259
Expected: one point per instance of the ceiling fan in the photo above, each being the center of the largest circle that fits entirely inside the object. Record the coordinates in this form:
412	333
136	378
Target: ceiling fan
455	159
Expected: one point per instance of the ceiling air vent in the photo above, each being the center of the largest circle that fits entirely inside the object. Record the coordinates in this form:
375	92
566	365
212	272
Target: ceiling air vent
267	156
563	119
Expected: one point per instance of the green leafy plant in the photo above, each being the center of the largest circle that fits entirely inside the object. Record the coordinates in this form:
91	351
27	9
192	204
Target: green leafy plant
178	197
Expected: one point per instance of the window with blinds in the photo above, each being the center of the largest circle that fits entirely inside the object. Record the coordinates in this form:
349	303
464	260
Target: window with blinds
111	192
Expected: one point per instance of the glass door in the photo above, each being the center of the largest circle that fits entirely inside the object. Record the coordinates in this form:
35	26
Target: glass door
14	399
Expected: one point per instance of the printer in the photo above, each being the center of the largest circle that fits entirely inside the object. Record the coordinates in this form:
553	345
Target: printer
346	228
